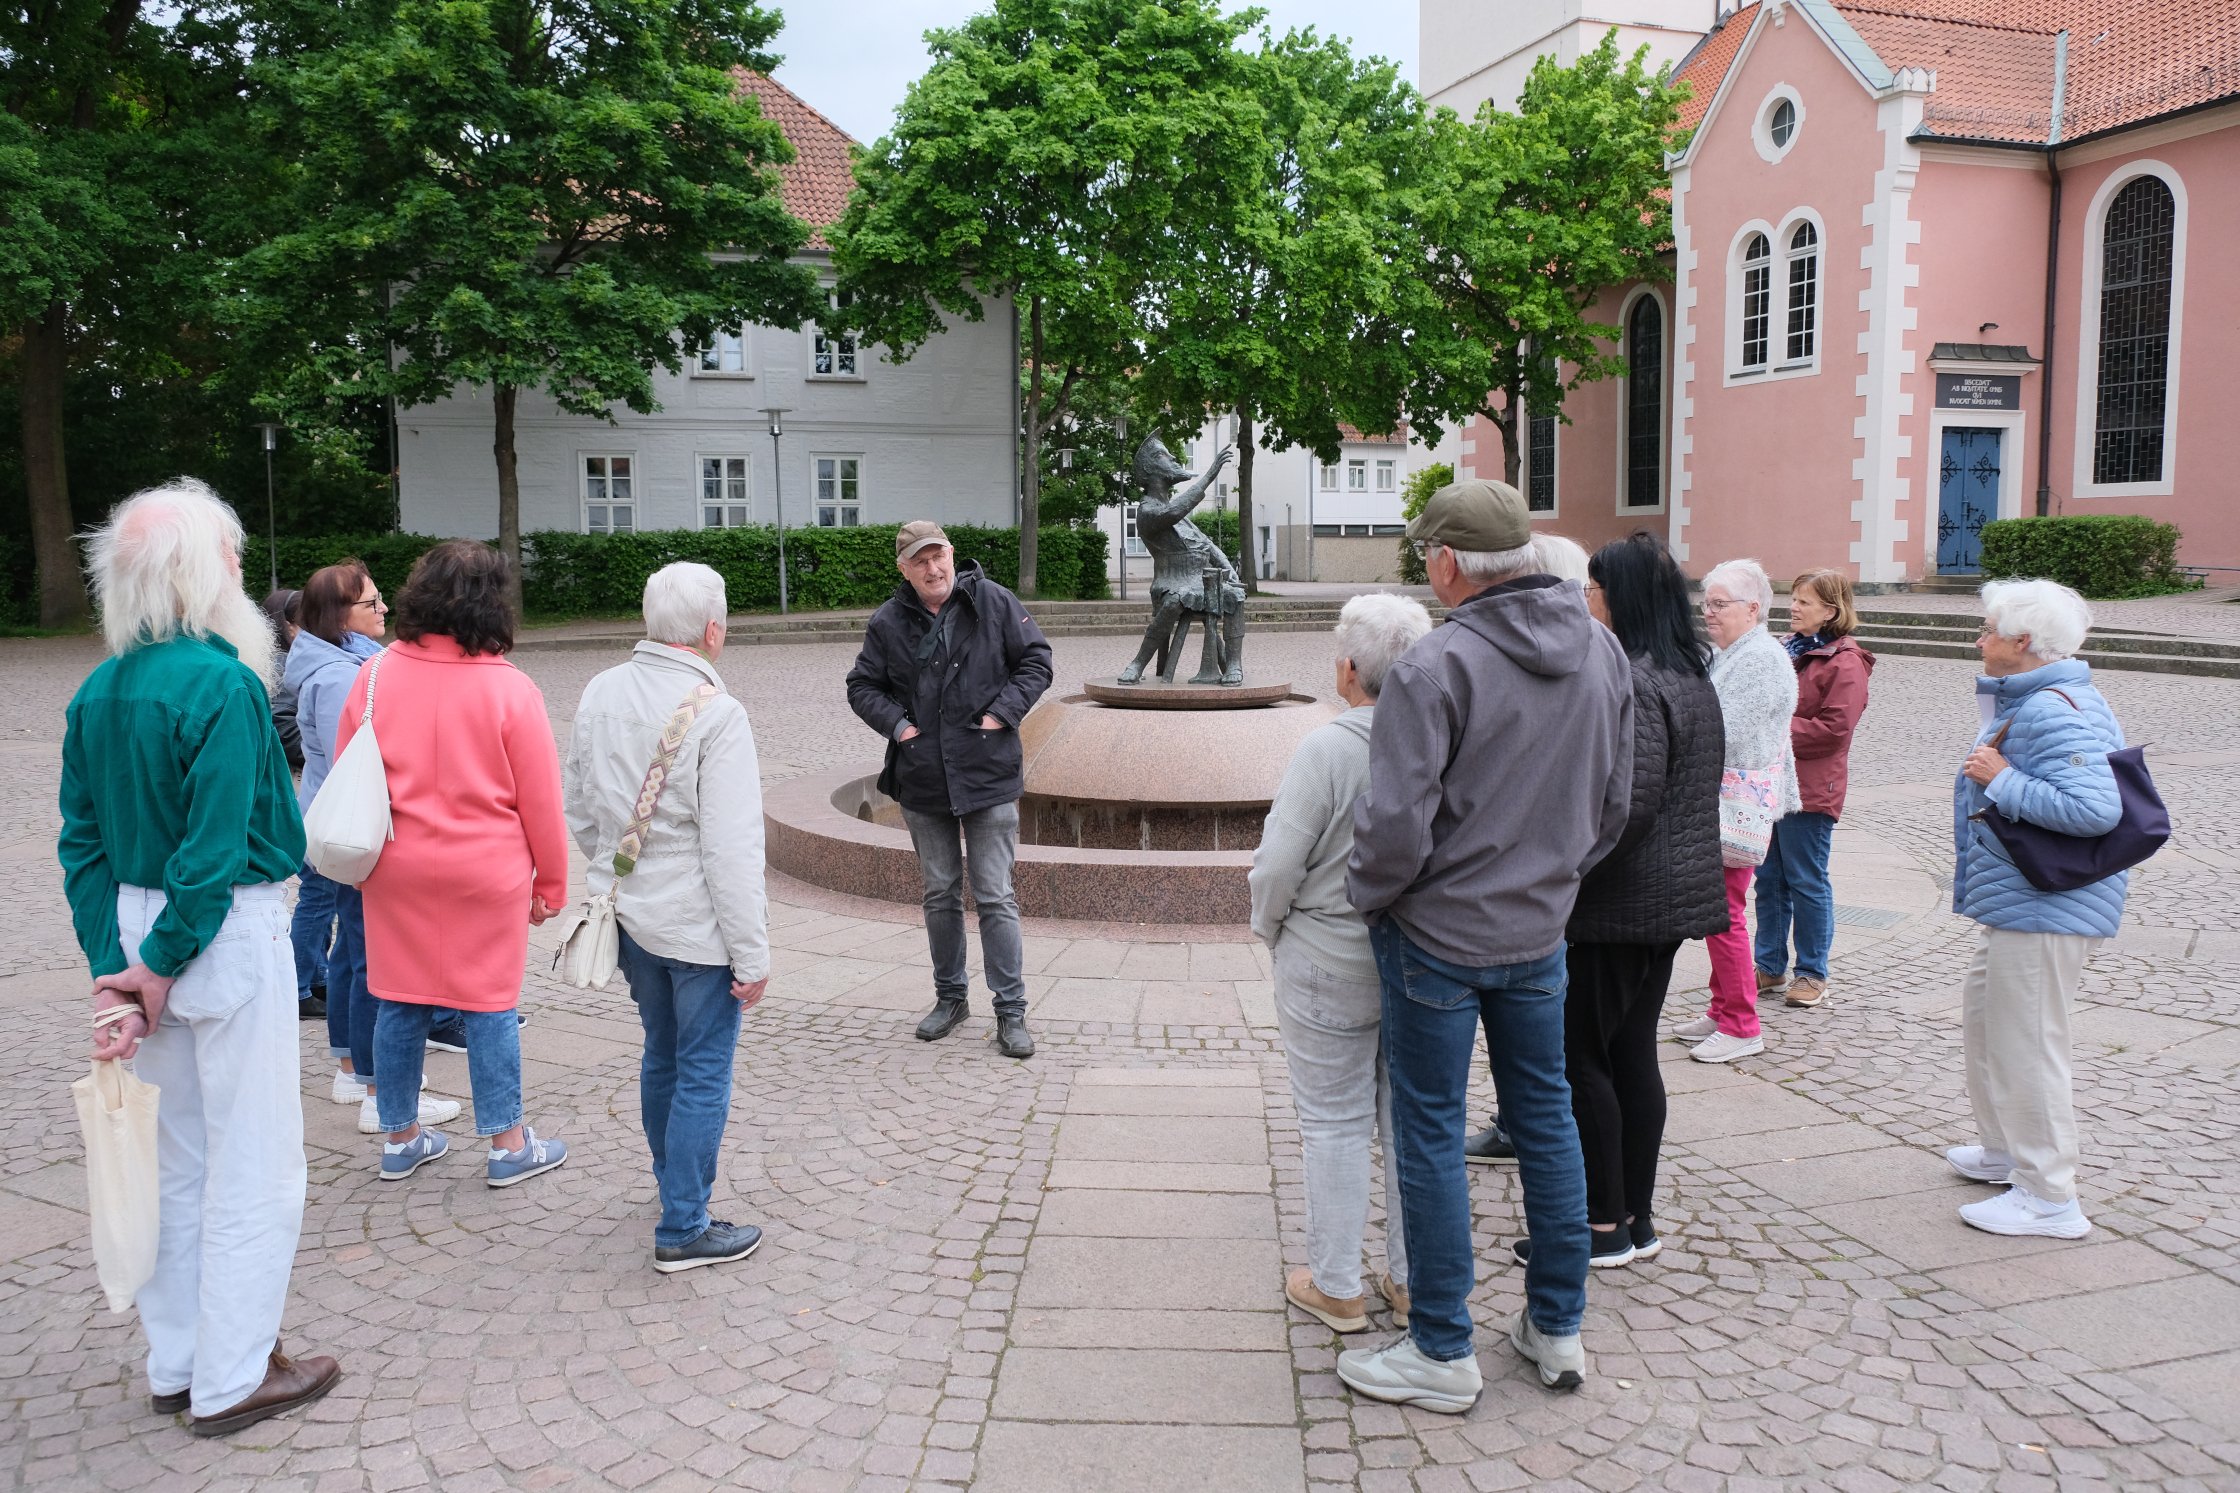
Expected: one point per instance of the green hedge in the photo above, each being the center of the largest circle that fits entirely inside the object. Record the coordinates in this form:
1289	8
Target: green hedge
2102	555
388	558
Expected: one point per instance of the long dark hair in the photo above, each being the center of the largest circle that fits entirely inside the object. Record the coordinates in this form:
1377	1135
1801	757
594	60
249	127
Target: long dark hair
1647	598
458	590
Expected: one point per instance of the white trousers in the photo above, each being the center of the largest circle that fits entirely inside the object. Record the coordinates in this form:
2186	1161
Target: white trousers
2014	1017
229	1146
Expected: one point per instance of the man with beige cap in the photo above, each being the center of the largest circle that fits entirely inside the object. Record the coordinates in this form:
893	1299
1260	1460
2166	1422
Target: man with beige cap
951	663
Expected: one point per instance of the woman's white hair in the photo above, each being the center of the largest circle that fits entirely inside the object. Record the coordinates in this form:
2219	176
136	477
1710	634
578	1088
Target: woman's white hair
2052	616
681	600
1375	629
1491	567
1744	580
1565	559
167	564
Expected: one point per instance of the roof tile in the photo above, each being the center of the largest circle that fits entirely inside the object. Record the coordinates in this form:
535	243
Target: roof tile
815	184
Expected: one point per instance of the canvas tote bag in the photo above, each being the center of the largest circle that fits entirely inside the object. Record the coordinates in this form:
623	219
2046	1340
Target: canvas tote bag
590	939
118	1114
347	825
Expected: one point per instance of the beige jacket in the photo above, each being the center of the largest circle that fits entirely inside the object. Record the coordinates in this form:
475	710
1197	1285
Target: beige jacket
697	892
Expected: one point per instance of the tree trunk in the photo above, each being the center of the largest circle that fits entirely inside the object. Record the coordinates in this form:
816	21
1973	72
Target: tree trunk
1030	495
1511	422
1244	502
46	473
509	491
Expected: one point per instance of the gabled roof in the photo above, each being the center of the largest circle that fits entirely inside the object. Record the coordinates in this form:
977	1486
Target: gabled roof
1705	68
815	184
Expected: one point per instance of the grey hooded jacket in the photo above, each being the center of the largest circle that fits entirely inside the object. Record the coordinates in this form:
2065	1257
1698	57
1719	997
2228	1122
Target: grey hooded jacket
1298	875
1500	772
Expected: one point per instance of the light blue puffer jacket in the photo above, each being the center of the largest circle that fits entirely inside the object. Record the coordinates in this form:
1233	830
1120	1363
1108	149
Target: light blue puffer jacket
2057	776
322	676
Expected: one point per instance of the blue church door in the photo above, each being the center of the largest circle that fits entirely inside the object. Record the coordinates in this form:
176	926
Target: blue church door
1967	497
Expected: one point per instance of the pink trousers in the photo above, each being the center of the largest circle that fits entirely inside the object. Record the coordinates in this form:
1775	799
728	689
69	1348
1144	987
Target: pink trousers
1734	979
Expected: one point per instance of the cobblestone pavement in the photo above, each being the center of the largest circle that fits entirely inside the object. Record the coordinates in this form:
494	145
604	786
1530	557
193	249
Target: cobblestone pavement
1065	1274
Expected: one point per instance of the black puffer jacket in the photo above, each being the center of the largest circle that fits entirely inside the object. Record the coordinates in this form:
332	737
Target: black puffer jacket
989	660
1663	882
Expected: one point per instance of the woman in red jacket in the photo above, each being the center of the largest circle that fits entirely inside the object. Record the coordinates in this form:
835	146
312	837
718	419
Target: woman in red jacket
1793	889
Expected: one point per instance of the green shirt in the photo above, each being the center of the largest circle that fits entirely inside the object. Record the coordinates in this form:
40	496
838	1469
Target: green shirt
173	779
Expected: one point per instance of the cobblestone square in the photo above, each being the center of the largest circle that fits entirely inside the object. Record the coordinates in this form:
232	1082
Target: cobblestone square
1065	1276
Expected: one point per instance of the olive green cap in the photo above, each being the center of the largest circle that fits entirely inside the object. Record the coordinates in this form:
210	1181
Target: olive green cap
1477	515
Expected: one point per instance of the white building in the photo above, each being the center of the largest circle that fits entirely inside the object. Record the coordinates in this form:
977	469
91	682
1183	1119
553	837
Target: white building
865	441
1474	50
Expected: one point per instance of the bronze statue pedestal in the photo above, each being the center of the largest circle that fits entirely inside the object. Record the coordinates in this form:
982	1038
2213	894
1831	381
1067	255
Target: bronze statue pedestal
1156	696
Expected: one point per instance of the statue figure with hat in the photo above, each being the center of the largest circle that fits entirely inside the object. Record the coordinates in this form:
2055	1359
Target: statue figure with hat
1191	579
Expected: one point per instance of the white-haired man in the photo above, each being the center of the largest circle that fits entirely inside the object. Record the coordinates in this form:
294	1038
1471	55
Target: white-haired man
686	872
1500	771
179	826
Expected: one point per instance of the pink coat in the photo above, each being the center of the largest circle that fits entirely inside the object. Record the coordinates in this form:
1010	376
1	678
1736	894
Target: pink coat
474	790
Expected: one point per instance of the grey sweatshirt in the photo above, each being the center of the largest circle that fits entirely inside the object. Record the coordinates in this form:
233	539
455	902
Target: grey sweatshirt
1501	770
1299	872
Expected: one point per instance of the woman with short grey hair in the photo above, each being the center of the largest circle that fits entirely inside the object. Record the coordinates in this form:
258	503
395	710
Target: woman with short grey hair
1328	1003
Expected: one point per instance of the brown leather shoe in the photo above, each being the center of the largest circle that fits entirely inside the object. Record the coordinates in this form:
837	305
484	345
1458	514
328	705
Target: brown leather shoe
1771	984
1338	1315
289	1384
1806	991
174	1403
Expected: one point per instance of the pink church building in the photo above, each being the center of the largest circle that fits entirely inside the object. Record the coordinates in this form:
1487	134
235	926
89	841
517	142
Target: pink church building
1934	262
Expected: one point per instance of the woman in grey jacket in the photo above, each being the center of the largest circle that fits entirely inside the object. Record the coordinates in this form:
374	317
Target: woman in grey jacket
1328	1002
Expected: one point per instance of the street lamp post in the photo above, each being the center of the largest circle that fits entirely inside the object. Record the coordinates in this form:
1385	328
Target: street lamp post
271	523
776	414
1120	430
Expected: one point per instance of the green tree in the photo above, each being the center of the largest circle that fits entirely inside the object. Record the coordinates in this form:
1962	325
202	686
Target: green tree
1524	219
1087	447
518	194
1414	493
1288	316
1063	153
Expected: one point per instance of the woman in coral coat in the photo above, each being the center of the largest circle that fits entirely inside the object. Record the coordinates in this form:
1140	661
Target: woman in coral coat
480	851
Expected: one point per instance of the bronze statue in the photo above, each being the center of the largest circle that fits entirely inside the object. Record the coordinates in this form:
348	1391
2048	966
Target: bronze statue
1191	579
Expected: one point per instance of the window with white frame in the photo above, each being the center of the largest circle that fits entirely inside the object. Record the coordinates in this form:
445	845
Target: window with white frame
723	492
1388	476
838	490
725	355
1329	478
834	353
1643	448
1132	542
1540	464
610	494
1804	295
1357	475
2131	393
1757	302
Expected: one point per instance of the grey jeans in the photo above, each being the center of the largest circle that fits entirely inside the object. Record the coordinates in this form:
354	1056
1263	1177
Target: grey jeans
1330	1028
982	843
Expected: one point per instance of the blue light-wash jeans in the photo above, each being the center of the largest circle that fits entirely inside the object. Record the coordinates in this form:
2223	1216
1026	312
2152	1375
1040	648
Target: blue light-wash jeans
684	1080
1431	1015
311	930
983	843
400	1051
350	1010
1794	892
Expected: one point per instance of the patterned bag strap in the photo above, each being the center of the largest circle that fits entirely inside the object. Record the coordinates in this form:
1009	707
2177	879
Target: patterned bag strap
373	681
657	777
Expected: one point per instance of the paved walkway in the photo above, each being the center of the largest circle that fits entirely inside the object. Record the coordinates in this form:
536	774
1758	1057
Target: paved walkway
1066	1274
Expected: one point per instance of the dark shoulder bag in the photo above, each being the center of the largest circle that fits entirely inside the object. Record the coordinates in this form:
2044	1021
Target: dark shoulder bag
2054	862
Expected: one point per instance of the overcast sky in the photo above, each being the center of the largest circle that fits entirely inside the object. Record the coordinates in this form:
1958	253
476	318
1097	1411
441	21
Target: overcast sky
853	59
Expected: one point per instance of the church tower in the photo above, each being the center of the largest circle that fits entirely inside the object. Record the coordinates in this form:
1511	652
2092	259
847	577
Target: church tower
1470	51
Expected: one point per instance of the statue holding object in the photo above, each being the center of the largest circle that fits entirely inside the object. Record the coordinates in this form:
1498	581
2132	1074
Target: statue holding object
1191	579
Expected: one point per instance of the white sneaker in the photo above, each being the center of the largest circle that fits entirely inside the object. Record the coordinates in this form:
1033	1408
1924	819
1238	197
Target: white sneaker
2020	1211
348	1088
1561	1361
1979	1165
1403	1375
433	1111
1692	1032
1725	1047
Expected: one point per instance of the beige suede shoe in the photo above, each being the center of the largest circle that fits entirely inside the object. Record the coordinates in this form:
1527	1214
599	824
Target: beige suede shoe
1771	984
1806	991
1339	1316
1396	1297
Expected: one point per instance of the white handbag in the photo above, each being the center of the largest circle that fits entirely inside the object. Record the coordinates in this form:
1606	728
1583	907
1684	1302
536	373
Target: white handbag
118	1113
590	939
347	825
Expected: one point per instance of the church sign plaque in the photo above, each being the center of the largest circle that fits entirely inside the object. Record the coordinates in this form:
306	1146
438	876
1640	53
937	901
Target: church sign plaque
1979	391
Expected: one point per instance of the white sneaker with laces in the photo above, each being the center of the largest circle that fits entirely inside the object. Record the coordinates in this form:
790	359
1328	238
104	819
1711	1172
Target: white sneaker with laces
1562	1362
433	1111
1692	1032
1402	1374
1725	1047
348	1088
1980	1165
2020	1212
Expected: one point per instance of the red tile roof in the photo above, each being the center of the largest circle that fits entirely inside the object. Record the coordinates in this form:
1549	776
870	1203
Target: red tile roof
815	183
1704	68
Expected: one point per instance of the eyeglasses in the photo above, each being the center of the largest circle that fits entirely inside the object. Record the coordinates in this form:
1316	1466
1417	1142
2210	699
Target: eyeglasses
1719	606
1423	547
372	601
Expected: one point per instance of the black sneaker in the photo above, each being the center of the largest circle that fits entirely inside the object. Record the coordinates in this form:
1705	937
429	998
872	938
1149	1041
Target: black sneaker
718	1244
1610	1248
1646	1244
1489	1145
313	1009
447	1036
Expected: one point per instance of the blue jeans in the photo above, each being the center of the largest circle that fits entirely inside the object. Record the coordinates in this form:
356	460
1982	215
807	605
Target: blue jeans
1793	889
349	1004
1431	1015
400	1048
312	929
684	1080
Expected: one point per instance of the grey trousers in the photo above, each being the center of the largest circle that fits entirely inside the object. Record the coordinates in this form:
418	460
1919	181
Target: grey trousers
2014	1019
1331	1028
984	844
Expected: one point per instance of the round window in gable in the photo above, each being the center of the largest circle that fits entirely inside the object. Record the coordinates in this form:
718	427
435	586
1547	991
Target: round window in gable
1781	124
